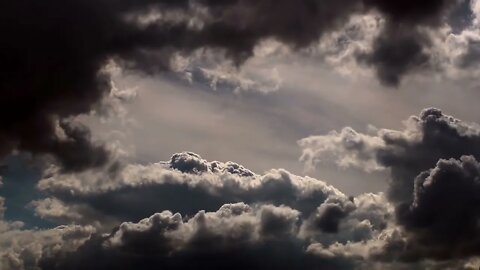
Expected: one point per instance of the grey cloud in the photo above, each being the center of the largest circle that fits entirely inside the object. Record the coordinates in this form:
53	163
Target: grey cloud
236	237
54	63
271	230
21	249
442	219
207	68
347	148
433	185
186	184
329	215
425	139
360	219
396	52
401	46
471	57
280	220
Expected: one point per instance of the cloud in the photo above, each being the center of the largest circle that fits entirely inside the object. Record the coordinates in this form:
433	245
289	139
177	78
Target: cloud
236	236
233	236
21	249
185	184
245	220
445	210
209	68
425	139
395	53
272	215
433	186
427	219
346	148
401	46
54	65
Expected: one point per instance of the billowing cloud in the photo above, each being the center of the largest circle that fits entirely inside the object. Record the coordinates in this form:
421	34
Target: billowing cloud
186	184
444	214
433	186
236	237
54	63
21	249
220	214
425	139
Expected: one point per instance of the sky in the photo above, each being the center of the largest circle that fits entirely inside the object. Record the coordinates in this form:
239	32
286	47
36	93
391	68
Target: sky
239	134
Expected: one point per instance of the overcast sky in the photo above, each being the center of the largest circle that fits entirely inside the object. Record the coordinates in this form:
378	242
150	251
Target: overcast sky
240	134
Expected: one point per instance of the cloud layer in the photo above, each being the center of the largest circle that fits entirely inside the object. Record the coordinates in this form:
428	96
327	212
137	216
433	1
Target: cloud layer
54	64
220	214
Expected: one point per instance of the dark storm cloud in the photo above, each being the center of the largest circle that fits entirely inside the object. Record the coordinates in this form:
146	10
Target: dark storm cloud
400	47
329	215
426	138
288	223
446	209
235	237
434	182
53	52
52	55
396	52
434	136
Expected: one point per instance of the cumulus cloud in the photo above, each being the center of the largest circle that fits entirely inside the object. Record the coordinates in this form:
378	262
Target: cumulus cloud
425	139
236	237
433	186
444	214
233	236
346	148
213	214
273	216
21	249
185	184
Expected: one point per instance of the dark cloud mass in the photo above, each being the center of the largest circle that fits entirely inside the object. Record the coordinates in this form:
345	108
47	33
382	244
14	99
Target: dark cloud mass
186	184
53	52
247	221
446	210
258	221
400	48
397	51
234	237
434	182
427	138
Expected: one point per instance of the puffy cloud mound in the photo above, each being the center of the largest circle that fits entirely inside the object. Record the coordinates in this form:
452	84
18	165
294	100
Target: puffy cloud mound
21	249
186	184
236	236
445	212
434	184
224	215
425	139
213	240
285	219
